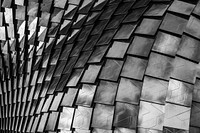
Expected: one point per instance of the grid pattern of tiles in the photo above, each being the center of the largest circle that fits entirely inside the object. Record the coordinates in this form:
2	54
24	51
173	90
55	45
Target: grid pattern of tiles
100	66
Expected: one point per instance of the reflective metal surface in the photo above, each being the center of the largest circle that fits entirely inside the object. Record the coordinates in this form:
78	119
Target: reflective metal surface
100	66
129	91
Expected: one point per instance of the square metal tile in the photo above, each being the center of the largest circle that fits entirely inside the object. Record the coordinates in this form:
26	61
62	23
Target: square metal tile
177	116
106	92
154	90
129	91
125	115
179	92
184	70
66	117
118	49
189	48
111	70
166	43
140	46
148	26
82	118
103	116
85	95
134	68
151	115
170	23
181	7
159	66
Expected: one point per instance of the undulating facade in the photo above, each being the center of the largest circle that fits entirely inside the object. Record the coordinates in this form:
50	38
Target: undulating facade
99	66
